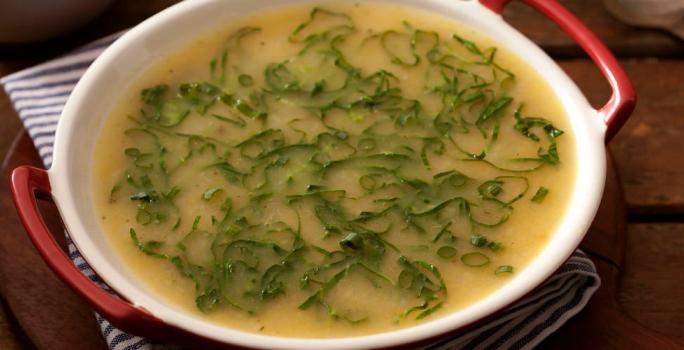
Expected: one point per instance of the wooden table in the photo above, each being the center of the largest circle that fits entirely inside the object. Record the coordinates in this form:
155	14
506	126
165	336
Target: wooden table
637	240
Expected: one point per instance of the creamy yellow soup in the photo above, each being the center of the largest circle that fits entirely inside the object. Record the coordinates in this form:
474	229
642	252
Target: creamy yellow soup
333	171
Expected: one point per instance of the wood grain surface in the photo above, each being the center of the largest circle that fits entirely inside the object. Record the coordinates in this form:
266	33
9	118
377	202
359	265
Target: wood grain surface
652	277
649	150
605	323
640	259
9	333
622	39
663	14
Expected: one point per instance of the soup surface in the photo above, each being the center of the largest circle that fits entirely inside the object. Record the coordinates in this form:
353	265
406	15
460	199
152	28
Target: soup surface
333	171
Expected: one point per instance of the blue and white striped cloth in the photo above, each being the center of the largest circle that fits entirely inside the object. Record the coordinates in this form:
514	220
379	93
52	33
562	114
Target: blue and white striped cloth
39	94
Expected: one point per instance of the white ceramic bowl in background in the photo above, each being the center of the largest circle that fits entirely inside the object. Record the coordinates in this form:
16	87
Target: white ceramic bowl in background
113	72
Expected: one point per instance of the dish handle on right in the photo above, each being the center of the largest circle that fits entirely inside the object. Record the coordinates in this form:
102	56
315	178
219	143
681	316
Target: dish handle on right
623	99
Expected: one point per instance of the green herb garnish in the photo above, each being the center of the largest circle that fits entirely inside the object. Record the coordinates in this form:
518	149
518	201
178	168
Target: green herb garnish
211	193
540	195
475	259
343	123
504	269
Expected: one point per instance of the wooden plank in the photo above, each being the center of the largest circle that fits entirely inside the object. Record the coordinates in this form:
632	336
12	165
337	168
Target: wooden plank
652	280
8	335
649	151
622	39
121	14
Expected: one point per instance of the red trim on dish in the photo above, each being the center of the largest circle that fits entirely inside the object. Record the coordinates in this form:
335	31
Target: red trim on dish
621	104
29	182
495	5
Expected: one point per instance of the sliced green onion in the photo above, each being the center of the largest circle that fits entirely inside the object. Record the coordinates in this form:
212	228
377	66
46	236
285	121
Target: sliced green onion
475	259
478	240
368	182
405	279
143	217
446	252
210	193
245	80
540	195
503	269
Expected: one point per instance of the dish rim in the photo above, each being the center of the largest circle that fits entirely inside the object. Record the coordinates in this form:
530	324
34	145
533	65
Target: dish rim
586	123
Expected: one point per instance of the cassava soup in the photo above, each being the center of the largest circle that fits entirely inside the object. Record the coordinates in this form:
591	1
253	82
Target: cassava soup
333	171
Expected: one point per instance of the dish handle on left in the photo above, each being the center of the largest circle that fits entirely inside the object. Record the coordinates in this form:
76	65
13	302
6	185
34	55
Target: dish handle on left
28	183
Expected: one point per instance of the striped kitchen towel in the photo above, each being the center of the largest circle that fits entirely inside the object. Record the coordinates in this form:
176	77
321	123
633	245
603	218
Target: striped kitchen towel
39	94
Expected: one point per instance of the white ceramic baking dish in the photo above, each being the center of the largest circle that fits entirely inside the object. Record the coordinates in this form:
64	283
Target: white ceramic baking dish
140	312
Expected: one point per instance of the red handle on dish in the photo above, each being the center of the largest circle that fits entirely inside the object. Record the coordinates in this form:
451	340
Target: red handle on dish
27	183
623	99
